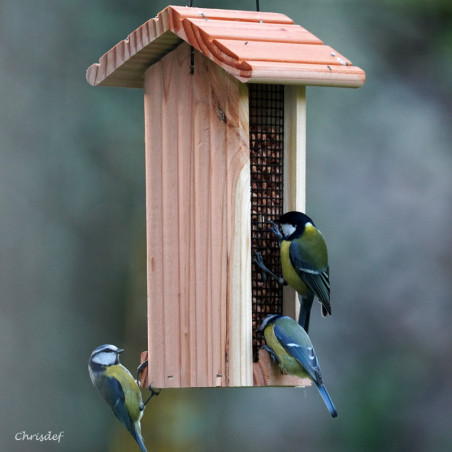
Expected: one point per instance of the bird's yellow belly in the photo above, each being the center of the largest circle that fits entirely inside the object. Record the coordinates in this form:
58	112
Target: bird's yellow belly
132	394
289	273
293	367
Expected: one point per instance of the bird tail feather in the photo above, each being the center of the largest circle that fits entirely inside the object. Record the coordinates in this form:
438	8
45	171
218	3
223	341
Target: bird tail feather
139	440
305	310
327	399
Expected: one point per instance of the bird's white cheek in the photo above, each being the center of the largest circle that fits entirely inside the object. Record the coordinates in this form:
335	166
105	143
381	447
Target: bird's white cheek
288	229
105	359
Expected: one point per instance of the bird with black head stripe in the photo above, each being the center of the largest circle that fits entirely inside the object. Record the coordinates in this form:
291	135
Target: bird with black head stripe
304	262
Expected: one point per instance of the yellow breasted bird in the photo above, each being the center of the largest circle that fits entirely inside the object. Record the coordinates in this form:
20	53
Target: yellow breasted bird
118	388
304	262
290	345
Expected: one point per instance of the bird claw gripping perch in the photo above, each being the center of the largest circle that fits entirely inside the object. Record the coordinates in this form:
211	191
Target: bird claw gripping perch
153	392
260	263
275	230
272	354
140	369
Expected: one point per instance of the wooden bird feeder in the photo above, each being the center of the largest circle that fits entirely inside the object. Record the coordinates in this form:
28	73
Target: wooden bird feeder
225	132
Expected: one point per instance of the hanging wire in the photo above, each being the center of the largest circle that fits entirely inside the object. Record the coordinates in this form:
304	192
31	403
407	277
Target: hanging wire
257	5
192	60
192	51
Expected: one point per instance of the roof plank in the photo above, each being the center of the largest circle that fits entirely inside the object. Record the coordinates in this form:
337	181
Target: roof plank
287	52
255	31
313	74
230	15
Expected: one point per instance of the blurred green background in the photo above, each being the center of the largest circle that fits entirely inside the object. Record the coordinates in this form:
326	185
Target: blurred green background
72	231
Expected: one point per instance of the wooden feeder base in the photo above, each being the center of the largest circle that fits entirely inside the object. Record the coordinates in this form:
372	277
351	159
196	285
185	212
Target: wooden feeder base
265	373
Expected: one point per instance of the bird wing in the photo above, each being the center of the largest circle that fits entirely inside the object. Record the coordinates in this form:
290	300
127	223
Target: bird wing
112	391
316	277
292	338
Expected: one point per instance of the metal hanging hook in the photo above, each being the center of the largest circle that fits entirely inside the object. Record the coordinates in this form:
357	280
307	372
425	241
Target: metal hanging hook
192	50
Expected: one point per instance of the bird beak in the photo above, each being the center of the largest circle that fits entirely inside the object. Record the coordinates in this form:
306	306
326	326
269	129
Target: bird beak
120	350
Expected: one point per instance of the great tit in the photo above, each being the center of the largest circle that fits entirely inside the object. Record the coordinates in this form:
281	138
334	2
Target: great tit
289	344
118	388
304	262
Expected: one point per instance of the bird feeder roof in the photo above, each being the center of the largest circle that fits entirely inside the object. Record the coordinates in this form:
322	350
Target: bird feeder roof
253	46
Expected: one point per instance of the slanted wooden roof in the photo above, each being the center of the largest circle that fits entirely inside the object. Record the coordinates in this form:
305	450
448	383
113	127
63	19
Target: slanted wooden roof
257	47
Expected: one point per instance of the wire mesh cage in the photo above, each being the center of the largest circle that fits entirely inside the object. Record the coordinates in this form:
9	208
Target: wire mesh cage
266	113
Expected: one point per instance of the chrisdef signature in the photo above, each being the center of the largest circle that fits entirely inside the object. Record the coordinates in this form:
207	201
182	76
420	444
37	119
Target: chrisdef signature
49	436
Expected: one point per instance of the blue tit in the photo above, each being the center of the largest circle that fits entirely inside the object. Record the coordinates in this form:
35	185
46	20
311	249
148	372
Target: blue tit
118	388
289	344
304	263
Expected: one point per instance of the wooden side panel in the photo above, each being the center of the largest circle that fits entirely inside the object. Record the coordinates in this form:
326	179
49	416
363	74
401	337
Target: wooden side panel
294	169
197	199
240	314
